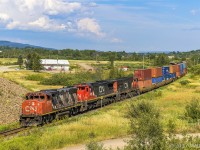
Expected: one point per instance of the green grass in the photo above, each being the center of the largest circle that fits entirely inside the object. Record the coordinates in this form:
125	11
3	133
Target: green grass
28	79
10	126
106	123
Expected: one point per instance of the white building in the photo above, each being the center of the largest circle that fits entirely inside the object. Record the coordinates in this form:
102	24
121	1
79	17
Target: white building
54	64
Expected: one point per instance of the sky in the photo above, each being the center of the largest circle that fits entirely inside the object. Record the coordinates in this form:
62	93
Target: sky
106	25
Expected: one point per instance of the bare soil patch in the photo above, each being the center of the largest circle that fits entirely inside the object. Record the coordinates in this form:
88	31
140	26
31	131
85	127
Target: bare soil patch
11	98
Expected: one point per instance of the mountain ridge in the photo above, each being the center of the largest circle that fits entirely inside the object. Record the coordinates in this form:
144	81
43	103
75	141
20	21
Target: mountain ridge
20	45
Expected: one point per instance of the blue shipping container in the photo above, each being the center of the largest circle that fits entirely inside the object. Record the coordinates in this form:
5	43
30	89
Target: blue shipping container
157	80
184	65
173	75
181	68
165	70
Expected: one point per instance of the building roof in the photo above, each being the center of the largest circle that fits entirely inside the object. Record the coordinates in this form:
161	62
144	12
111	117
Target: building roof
54	62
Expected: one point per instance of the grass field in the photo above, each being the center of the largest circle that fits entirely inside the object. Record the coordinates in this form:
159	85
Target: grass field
111	121
19	77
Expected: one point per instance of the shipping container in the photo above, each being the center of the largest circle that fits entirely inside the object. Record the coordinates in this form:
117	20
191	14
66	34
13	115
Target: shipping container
184	65
145	84
157	80
172	69
177	74
178	70
181	68
165	70
173	75
156	72
143	74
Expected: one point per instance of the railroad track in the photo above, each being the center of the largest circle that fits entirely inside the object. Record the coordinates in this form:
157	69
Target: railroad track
12	131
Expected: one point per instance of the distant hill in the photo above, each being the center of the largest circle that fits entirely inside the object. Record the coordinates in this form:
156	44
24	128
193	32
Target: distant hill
20	45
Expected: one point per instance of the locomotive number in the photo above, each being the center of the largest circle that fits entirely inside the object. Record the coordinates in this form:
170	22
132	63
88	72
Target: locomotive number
101	89
30	108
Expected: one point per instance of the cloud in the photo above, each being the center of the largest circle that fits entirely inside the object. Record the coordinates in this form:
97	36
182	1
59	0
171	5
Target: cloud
48	15
116	40
89	25
194	11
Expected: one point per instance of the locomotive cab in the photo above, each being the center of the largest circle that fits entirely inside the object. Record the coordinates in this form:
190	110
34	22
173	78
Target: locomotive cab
85	92
37	103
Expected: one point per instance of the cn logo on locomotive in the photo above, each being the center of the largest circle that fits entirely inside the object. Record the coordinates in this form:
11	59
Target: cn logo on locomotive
101	89
30	108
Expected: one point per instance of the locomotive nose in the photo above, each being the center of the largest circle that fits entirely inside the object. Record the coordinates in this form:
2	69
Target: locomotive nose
30	107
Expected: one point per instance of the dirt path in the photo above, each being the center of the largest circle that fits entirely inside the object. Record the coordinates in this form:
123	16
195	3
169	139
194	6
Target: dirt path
86	66
112	143
117	143
7	68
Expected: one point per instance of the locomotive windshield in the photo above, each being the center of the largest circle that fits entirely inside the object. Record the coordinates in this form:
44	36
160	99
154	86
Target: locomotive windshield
81	88
36	97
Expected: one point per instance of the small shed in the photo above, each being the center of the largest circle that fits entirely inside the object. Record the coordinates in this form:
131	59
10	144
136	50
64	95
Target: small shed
55	64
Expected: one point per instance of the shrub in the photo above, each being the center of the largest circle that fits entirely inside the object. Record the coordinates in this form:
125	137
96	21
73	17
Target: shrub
193	110
69	79
146	127
94	146
35	77
195	69
184	82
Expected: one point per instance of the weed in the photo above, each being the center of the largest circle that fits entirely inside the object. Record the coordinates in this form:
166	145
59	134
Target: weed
184	82
35	77
193	110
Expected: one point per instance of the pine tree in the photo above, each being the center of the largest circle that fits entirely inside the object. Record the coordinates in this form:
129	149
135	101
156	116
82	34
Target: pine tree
33	62
37	66
20	61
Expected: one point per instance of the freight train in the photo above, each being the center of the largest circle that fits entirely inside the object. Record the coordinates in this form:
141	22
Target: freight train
46	105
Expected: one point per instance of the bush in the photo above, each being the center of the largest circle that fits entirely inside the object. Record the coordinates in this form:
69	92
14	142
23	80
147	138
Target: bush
193	110
146	127
195	70
35	77
184	82
69	79
94	146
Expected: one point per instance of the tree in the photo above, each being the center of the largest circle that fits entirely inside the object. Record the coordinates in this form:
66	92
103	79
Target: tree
37	66
29	61
20	61
112	73
33	62
162	60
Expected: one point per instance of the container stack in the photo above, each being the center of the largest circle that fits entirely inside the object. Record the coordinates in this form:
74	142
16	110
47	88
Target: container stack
181	68
178	70
165	73
156	74
144	77
184	68
172	71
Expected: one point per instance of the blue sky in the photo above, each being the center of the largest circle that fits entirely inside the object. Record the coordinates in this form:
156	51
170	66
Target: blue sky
116	25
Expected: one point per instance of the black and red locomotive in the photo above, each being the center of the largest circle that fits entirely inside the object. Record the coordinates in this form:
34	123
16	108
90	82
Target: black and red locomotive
46	105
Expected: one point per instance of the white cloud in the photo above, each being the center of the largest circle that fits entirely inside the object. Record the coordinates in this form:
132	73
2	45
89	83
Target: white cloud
89	25
48	15
13	24
116	40
4	17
